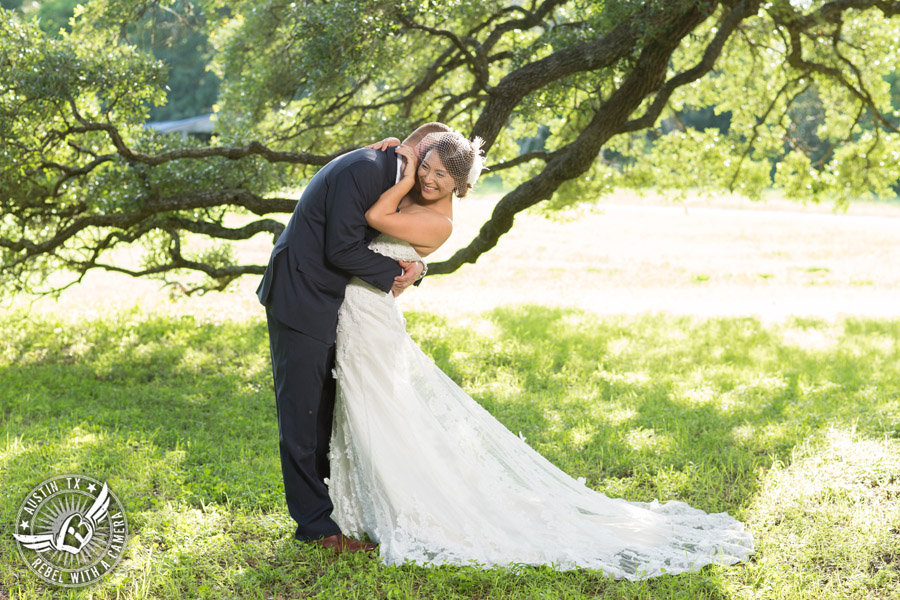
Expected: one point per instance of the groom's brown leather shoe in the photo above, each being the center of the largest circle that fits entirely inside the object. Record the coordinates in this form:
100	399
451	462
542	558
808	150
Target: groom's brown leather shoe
341	543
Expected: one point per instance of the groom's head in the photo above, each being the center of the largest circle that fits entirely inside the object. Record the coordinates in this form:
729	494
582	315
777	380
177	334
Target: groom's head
413	139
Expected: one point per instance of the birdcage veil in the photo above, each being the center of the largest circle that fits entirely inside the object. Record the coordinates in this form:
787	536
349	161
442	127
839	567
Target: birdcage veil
461	157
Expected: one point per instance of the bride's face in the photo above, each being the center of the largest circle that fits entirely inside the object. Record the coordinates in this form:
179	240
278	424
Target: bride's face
434	180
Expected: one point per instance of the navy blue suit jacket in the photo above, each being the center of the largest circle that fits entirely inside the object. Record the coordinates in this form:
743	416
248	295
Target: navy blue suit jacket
326	242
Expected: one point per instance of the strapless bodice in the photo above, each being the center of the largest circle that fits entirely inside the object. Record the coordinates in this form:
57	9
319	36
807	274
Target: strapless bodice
394	248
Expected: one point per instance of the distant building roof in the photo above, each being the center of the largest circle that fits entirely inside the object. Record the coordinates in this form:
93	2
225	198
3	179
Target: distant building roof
201	124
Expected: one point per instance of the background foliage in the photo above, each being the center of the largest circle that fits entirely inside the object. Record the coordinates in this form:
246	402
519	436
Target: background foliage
174	33
575	98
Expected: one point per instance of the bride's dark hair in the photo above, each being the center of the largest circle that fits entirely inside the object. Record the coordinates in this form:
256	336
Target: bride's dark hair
458	155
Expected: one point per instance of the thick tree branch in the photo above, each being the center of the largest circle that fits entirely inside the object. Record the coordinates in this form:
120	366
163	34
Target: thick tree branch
216	230
833	12
589	56
222	275
727	26
151	207
574	159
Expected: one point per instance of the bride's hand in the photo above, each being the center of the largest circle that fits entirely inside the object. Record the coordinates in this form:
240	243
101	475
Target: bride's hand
411	272
412	161
384	144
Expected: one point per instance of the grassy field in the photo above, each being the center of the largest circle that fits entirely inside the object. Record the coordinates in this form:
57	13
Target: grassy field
789	419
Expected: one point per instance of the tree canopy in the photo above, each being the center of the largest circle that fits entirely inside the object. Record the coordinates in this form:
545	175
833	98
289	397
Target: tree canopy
573	97
174	32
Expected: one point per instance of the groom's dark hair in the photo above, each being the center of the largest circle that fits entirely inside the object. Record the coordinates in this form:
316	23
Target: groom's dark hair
421	131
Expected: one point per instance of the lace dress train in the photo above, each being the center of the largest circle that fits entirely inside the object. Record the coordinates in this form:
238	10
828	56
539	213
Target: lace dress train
426	472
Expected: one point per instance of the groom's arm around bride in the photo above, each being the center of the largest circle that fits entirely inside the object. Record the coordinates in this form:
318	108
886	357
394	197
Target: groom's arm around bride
322	246
325	242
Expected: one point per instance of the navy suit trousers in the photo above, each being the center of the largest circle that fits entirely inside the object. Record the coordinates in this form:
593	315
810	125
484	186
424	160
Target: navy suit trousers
304	395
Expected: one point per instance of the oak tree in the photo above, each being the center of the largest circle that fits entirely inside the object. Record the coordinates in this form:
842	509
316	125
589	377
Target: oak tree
573	97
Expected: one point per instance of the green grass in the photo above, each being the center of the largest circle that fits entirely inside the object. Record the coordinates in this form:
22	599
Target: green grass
790	427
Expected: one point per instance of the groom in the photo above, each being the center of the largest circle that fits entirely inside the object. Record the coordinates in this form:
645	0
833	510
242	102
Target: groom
323	245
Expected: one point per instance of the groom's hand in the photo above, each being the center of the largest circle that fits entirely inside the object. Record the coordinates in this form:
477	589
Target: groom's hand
411	272
384	144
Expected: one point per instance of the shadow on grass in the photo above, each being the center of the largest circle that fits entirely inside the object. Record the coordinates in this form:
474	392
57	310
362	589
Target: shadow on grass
671	407
186	405
179	415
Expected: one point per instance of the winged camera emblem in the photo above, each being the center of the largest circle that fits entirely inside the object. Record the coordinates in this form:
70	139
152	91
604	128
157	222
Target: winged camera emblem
74	533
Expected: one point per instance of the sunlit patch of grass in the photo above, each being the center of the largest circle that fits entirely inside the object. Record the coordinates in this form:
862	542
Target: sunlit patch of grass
648	440
727	414
819	336
828	522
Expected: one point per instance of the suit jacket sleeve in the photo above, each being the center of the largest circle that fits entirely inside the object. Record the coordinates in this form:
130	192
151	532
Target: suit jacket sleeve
354	190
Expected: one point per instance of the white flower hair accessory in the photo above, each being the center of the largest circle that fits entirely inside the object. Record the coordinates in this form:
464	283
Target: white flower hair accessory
478	162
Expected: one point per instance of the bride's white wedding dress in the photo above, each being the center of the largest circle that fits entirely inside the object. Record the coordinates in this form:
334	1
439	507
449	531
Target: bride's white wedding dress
426	472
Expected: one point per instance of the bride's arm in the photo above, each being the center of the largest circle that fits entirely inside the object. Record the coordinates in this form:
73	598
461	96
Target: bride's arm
425	229
388	201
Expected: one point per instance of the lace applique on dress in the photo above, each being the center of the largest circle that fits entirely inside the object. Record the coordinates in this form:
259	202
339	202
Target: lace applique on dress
394	248
423	469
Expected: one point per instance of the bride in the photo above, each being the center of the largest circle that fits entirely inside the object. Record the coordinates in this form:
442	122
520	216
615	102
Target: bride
425	471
